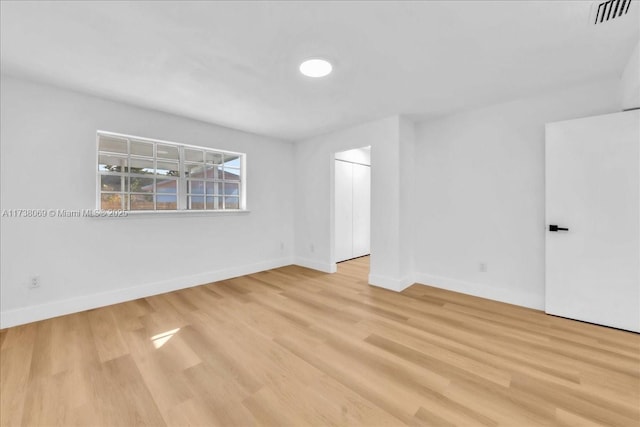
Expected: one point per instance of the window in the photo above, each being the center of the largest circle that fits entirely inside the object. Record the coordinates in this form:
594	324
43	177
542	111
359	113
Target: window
139	174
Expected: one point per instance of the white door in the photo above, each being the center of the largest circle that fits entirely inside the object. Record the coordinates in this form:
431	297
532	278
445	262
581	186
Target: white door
361	209
593	189
343	210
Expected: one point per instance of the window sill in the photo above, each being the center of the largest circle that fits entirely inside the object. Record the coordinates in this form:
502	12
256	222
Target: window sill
166	213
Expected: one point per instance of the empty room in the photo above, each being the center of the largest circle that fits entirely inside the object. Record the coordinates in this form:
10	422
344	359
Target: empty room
325	213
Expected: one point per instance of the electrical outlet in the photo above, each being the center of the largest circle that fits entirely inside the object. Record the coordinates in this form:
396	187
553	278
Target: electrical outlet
312	247
483	267
281	246
34	282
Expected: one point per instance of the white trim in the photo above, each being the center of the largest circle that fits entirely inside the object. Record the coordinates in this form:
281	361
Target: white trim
390	283
188	212
510	296
325	267
34	313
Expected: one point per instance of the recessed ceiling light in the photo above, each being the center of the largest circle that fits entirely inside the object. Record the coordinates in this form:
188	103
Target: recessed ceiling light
316	67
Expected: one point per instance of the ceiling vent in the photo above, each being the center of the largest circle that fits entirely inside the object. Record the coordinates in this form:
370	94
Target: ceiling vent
607	10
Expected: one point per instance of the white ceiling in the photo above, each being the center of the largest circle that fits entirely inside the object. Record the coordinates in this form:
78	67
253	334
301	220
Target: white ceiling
236	63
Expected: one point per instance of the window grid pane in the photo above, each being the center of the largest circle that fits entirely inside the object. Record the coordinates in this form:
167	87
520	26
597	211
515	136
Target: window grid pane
136	174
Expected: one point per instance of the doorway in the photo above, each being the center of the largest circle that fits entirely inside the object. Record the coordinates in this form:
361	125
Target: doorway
352	204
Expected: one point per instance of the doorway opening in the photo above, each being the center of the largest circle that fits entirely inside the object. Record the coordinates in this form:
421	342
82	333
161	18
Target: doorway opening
352	204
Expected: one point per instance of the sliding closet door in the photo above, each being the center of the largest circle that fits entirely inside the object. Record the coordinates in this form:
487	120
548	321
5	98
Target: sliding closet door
352	210
343	210
361	209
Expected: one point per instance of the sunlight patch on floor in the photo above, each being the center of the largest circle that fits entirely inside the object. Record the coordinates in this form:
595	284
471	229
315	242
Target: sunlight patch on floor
161	339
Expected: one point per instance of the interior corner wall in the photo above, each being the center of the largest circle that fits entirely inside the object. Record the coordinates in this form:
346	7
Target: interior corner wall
407	170
480	193
47	151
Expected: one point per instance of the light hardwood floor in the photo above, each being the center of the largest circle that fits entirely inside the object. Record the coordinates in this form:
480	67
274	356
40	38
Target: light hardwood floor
296	347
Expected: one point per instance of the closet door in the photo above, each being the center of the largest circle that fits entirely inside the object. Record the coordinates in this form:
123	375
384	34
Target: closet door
361	209
343	210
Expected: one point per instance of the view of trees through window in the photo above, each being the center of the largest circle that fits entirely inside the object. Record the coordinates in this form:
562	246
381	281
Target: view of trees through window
140	175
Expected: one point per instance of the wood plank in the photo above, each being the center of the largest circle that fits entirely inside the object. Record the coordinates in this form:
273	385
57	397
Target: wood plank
293	346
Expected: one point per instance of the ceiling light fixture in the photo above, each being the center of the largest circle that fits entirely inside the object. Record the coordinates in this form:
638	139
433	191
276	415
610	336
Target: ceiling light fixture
316	67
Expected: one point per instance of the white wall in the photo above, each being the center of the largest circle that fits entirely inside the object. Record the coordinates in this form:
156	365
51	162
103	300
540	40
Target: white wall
314	197
314	172
480	193
48	161
630	81
408	214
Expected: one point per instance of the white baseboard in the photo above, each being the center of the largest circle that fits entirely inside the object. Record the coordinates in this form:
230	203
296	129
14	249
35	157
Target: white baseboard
390	283
325	267
511	296
48	310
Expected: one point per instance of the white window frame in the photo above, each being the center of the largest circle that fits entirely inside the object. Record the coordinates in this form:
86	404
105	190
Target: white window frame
182	196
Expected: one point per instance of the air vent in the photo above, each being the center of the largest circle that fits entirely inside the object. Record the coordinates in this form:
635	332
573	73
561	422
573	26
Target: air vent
608	10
